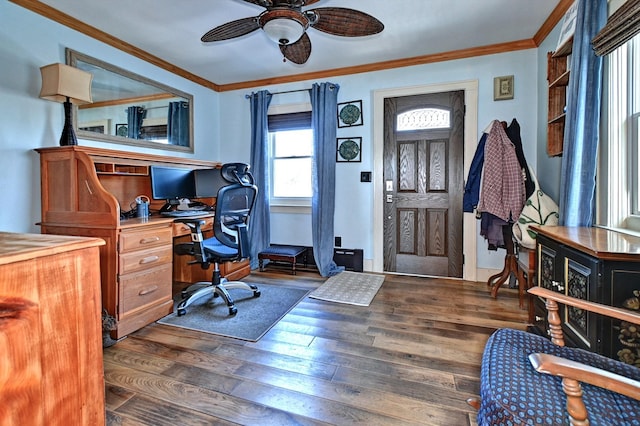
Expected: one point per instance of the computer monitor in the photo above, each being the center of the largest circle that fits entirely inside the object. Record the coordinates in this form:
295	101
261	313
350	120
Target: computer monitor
172	183
208	182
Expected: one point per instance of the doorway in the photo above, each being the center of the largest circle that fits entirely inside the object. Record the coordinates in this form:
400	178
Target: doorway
423	184
405	212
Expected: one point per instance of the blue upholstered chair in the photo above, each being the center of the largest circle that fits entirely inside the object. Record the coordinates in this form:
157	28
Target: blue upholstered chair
530	380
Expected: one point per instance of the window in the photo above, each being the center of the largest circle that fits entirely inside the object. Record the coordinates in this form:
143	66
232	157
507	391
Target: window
619	172
291	154
424	119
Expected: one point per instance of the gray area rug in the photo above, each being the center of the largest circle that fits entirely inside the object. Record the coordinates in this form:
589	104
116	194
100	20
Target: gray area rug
255	316
354	288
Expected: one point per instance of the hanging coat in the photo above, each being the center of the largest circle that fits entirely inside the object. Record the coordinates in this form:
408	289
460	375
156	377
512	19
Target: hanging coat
472	188
513	132
502	189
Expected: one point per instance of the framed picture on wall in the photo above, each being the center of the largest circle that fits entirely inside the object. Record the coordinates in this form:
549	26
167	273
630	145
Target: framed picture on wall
503	88
349	150
350	114
121	130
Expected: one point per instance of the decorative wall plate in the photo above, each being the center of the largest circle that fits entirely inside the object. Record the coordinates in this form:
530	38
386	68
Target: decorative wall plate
350	114
349	150
121	130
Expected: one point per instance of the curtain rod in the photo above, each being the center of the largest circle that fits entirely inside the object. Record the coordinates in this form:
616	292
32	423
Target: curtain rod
282	93
288	91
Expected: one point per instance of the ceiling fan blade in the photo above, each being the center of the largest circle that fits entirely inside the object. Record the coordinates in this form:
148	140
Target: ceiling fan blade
345	22
272	3
231	29
298	52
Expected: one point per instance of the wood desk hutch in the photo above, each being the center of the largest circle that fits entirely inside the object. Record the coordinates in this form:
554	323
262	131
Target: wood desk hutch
84	191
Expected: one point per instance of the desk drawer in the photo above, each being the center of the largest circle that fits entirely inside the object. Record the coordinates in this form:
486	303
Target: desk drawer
144	288
139	240
144	259
180	229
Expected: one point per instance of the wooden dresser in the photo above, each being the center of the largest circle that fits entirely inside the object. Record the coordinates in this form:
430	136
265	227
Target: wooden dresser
84	191
597	265
50	331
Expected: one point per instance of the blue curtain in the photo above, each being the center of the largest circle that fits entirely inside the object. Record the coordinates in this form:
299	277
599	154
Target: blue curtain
324	103
135	115
582	125
260	223
178	123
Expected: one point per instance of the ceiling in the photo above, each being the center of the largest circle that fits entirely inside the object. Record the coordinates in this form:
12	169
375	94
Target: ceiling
416	31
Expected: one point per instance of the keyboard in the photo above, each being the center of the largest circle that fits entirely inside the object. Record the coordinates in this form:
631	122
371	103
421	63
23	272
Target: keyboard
186	213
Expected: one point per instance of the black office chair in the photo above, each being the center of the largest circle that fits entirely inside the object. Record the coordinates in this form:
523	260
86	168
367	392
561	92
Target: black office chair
230	238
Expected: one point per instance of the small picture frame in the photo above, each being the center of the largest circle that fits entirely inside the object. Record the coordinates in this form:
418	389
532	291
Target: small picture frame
122	130
350	114
503	88
349	150
567	29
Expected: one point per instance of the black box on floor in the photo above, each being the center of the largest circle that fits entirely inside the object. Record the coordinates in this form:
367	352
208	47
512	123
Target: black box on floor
351	259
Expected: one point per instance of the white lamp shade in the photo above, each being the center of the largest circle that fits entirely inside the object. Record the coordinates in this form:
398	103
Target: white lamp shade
283	30
60	81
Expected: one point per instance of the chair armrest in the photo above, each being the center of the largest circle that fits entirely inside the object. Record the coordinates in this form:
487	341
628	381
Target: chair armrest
191	220
598	308
557	366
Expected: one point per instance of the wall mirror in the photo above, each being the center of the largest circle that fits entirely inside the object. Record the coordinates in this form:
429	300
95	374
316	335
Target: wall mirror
131	109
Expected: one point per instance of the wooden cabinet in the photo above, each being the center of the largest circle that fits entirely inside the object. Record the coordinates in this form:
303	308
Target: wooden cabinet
591	264
558	77
84	191
144	275
50	331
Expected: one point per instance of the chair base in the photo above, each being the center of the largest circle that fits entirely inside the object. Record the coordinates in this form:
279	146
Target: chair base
197	290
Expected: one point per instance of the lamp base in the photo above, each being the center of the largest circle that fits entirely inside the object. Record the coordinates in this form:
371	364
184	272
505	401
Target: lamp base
68	136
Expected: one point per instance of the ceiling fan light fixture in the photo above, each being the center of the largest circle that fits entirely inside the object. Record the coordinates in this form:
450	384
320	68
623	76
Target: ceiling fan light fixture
283	26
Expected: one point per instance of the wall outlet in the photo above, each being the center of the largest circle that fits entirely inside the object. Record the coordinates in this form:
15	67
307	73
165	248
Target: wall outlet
338	241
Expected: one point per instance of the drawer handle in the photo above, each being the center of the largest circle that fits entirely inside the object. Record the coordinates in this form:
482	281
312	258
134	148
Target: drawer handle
149	259
148	291
149	240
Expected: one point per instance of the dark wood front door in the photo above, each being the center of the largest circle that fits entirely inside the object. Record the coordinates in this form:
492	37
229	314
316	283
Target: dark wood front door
424	184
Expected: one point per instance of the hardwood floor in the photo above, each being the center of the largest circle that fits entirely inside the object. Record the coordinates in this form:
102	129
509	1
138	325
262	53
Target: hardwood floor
411	357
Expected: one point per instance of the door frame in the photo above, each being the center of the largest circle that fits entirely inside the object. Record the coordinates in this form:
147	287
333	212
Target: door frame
469	231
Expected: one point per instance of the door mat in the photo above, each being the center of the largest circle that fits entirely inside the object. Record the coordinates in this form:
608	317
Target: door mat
255	316
354	288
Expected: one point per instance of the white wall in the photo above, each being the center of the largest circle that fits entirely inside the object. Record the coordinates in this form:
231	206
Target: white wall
29	41
354	200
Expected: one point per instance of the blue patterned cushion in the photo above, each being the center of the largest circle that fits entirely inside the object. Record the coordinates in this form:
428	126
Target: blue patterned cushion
513	393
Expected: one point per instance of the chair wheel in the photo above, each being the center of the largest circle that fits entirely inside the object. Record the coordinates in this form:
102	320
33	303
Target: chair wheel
233	310
256	293
181	312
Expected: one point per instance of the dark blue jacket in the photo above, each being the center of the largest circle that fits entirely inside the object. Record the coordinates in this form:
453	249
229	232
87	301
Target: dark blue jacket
472	188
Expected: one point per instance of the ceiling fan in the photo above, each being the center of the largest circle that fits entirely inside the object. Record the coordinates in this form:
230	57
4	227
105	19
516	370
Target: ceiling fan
286	23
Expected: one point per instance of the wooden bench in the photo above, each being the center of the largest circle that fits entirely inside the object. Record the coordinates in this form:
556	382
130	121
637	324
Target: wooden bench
281	253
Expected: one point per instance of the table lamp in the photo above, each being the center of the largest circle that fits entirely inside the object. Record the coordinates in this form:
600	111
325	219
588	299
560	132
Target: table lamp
63	83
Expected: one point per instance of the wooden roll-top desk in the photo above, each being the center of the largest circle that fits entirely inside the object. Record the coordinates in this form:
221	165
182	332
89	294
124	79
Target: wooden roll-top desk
84	192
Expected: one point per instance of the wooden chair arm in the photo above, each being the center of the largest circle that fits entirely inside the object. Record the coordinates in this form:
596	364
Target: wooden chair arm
557	366
610	311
